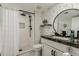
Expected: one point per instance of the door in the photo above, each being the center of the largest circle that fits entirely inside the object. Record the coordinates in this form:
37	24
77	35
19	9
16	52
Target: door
47	51
58	53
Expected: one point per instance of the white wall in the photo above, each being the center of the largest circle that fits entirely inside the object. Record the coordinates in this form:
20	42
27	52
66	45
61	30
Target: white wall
53	11
0	30
38	22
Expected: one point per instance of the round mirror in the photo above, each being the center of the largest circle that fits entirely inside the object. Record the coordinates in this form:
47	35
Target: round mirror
67	21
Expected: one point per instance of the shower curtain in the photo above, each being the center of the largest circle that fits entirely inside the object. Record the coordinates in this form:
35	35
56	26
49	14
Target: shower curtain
10	32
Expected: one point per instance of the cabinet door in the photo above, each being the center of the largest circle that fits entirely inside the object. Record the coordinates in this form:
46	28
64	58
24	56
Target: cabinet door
50	51
75	51
58	53
47	50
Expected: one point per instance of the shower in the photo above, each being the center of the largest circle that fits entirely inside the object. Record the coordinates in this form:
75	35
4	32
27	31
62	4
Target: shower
30	20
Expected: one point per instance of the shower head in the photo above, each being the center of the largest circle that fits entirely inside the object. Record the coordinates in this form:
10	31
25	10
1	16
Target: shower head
23	14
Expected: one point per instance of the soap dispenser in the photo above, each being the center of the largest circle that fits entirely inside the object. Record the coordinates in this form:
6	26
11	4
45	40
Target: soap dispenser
72	36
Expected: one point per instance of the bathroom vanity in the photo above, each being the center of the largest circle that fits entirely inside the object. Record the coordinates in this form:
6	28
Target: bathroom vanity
54	46
65	38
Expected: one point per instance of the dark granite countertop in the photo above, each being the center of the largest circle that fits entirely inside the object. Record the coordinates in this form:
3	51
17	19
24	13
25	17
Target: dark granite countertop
61	41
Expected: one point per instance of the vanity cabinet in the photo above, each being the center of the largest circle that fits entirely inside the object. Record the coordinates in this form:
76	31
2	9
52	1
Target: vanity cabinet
50	48
58	48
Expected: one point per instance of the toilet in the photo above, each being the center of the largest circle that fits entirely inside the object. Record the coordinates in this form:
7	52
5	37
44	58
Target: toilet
37	48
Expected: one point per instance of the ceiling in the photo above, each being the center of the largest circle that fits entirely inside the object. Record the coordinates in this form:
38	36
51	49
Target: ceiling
38	7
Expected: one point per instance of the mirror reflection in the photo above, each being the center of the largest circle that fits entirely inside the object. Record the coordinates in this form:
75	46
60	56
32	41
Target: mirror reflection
67	21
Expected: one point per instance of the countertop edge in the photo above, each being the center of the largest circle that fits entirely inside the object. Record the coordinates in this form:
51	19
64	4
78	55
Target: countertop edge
62	42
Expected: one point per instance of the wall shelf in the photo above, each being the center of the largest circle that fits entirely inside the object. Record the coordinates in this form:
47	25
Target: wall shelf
45	25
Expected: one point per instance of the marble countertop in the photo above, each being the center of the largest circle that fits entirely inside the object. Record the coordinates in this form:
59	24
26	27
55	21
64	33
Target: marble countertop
62	40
